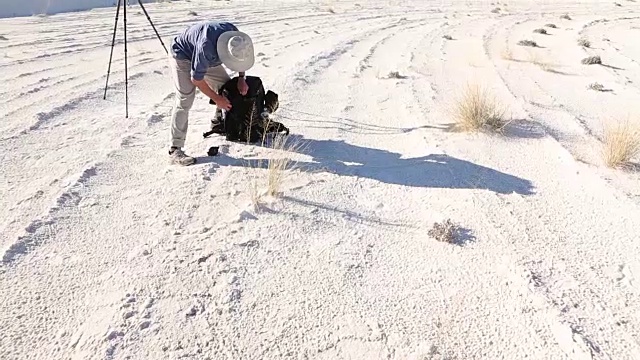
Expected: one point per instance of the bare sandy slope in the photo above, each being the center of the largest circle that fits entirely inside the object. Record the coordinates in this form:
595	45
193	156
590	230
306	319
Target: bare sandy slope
108	252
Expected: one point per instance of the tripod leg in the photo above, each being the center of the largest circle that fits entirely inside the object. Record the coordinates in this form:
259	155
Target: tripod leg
126	75
153	26
115	27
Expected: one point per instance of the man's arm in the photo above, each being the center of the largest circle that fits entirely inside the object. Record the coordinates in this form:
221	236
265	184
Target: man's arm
198	70
204	87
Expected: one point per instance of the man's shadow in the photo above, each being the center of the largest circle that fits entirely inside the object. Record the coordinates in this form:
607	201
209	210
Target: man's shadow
430	171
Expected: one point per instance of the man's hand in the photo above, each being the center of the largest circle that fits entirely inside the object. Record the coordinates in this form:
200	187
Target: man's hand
243	88
222	102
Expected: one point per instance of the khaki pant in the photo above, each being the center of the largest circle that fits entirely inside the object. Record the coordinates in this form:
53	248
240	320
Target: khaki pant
186	94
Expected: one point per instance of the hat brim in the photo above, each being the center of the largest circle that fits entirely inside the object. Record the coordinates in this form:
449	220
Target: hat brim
231	62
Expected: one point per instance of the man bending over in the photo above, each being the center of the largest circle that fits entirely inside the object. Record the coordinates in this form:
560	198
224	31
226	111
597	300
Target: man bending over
196	60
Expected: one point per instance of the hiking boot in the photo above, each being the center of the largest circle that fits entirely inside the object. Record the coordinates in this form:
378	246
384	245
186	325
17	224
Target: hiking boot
180	158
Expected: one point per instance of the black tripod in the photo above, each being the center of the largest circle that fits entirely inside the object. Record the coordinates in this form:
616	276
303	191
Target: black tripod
126	75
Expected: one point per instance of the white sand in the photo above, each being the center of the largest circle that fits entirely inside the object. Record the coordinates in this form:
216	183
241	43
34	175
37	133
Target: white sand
108	252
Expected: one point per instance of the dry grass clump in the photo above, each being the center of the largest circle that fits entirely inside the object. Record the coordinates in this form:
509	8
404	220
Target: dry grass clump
277	167
540	31
584	43
592	60
192	13
553	26
527	43
476	111
596	86
447	37
539	61
565	16
621	144
507	54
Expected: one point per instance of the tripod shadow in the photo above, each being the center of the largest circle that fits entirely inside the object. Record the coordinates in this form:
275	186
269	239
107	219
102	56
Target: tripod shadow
347	124
430	171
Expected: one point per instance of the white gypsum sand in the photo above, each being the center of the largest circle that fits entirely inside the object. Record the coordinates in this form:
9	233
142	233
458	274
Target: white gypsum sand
109	252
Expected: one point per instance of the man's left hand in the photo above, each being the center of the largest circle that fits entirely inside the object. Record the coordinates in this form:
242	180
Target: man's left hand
243	88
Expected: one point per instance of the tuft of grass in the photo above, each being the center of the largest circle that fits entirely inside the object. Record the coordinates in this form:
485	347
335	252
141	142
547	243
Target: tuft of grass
537	60
584	43
255	194
596	86
476	110
447	37
553	26
540	31
277	166
565	16
192	13
621	143
528	43
506	54
592	60
268	175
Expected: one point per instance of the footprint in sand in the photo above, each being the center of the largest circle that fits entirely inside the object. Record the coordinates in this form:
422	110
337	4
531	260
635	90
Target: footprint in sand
354	337
625	276
136	314
154	119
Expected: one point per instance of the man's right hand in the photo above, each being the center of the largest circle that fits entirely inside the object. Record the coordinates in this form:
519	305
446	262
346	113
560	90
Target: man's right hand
222	102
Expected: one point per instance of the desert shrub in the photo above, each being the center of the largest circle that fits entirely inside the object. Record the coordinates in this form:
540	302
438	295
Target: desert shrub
584	42
444	231
596	86
553	26
566	17
395	75
540	31
527	43
448	37
592	60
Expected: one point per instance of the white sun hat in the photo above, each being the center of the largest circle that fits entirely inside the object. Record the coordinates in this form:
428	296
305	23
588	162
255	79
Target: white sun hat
235	50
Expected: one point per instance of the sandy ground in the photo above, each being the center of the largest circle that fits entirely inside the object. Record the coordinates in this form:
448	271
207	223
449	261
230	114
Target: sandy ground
109	252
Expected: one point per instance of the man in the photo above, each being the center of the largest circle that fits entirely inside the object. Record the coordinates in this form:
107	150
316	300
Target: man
196	60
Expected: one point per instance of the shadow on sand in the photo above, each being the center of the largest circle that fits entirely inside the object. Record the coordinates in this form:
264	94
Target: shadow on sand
430	171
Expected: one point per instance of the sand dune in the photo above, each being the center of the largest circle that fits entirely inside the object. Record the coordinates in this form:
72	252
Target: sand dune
109	252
